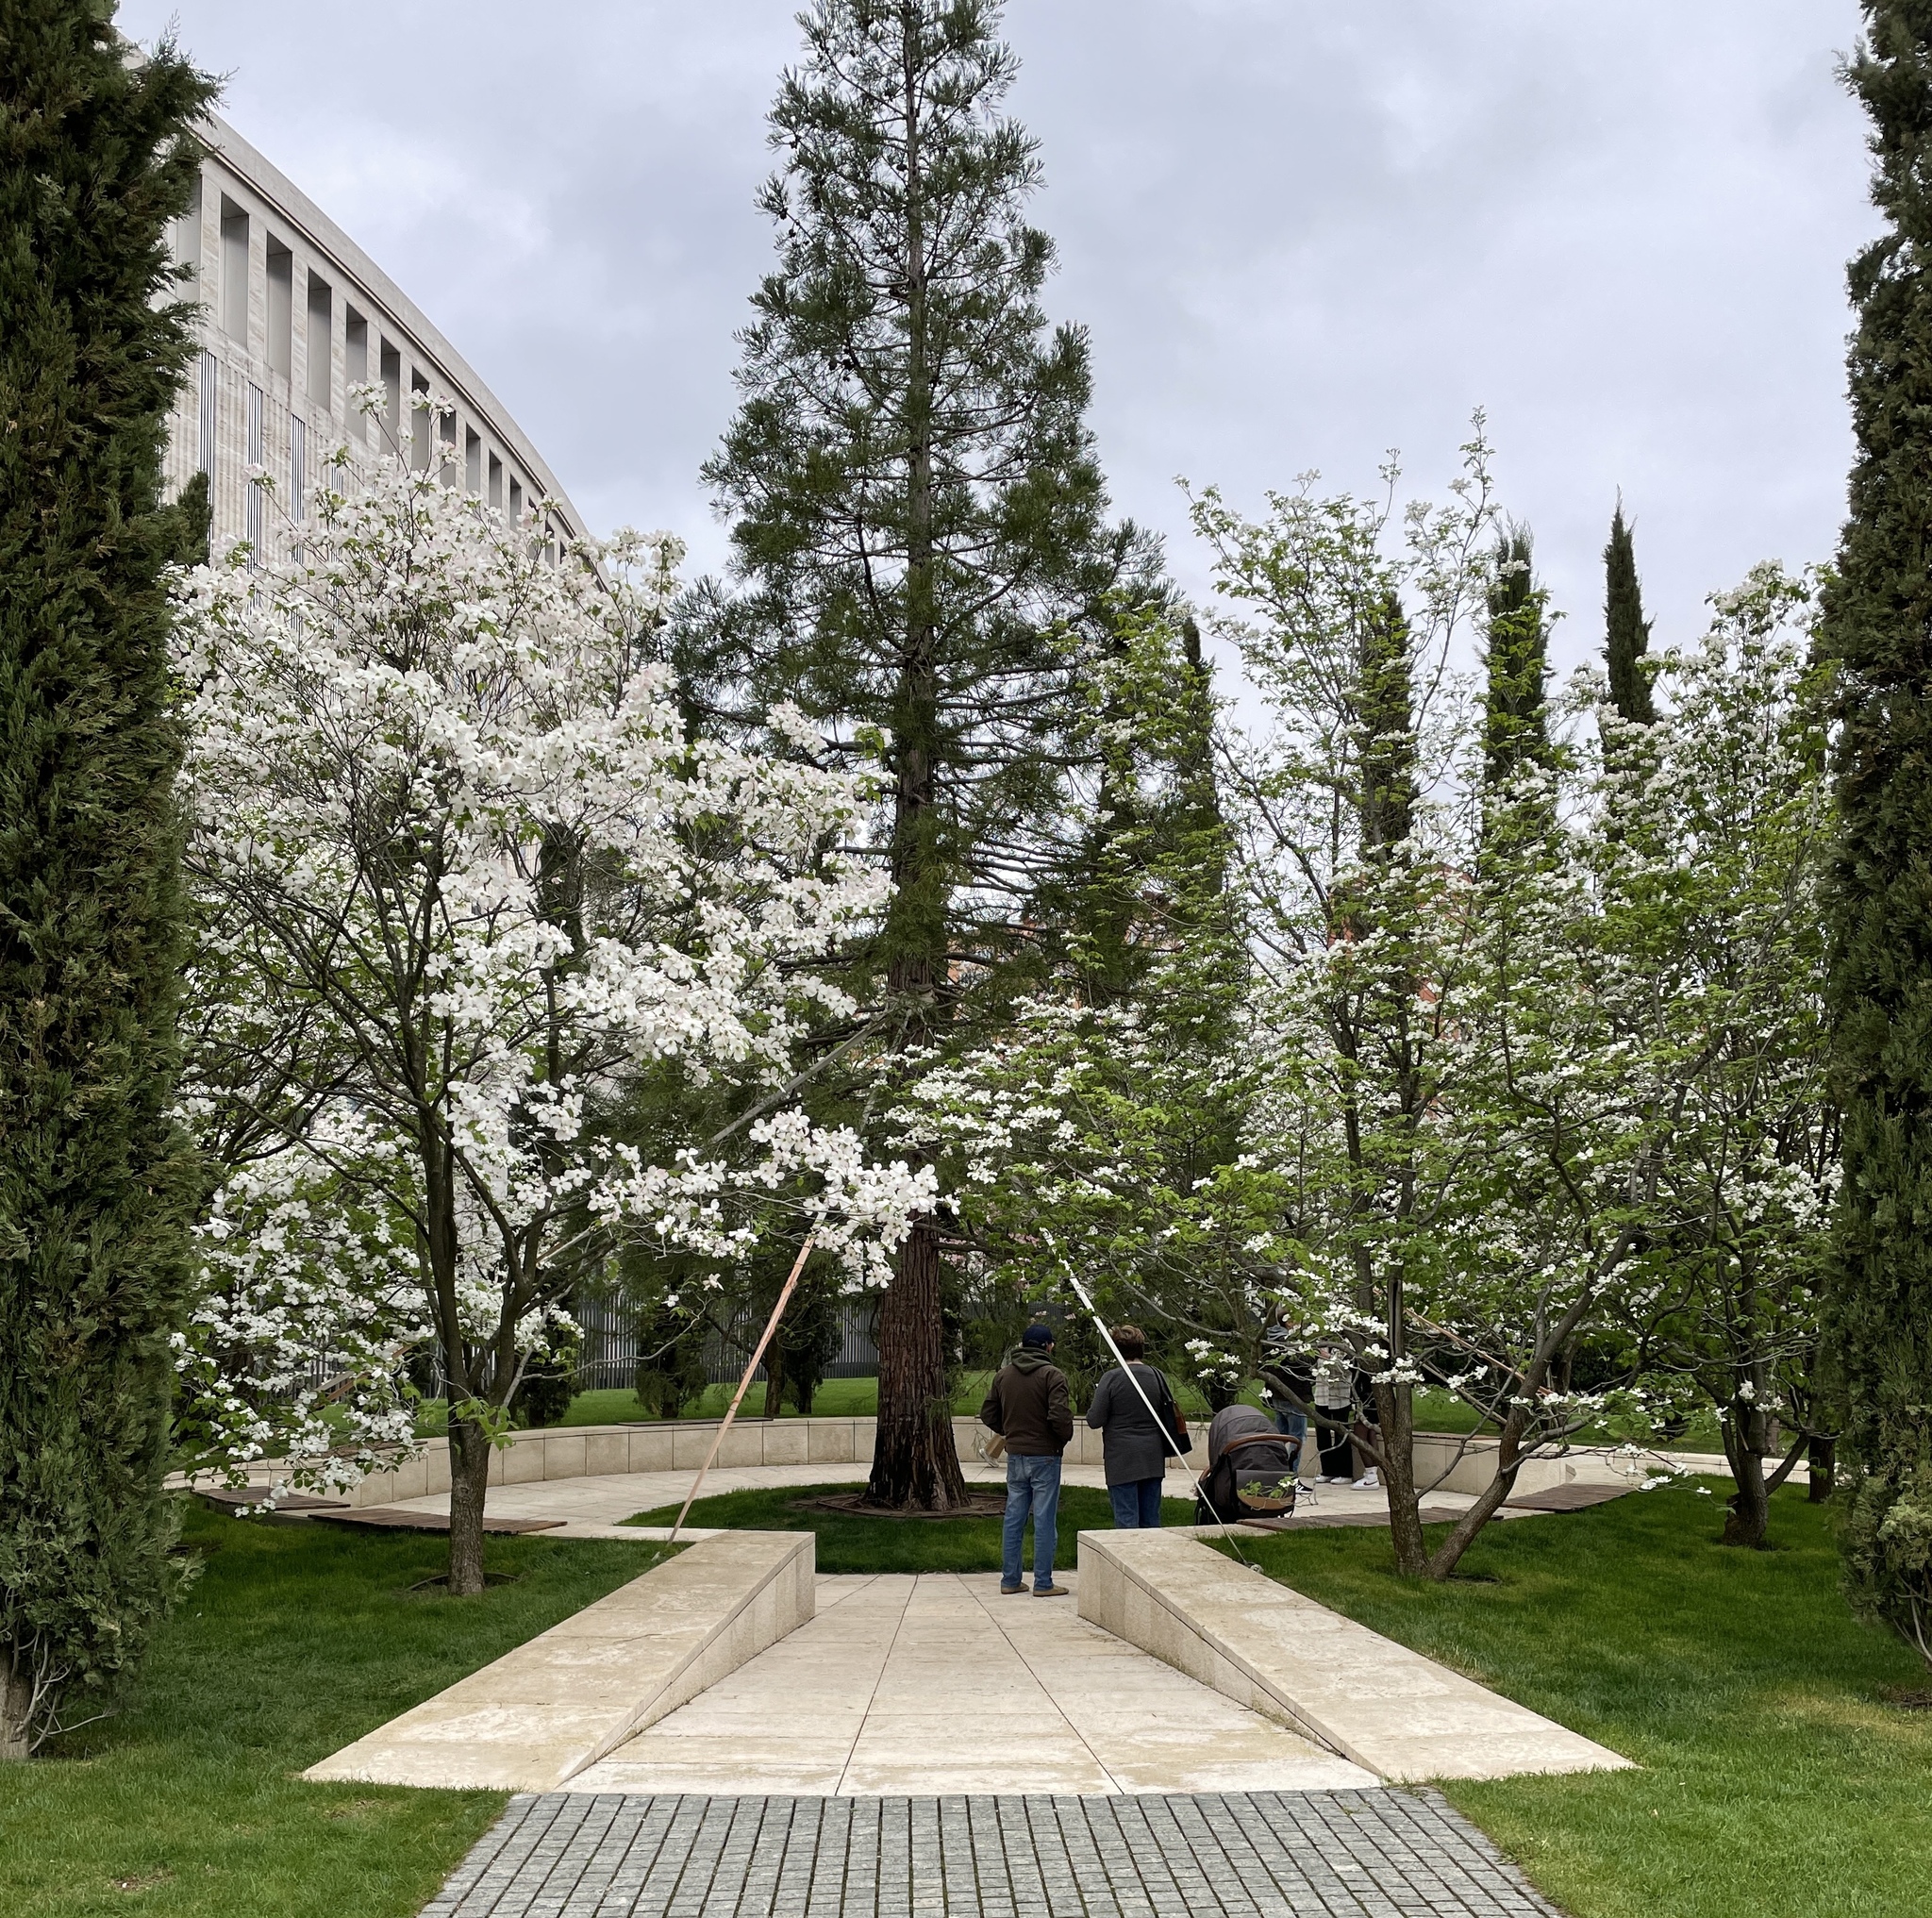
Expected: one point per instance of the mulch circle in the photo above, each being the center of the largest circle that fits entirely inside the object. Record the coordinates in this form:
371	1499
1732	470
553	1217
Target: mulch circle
1901	1699
442	1582
853	1504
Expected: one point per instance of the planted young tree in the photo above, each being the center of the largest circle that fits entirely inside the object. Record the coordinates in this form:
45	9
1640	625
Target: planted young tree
1436	1085
1626	632
1103	1124
464	885
1877	628
1709	837
97	1182
918	523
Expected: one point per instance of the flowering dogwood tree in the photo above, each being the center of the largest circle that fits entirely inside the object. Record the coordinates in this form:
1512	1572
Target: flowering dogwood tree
1711	828
465	882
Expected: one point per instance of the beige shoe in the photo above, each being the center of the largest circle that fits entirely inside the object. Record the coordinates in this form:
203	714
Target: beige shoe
1051	1591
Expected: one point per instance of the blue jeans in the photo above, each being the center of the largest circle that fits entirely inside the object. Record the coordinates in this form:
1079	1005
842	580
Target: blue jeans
1033	1485
1135	1504
1293	1426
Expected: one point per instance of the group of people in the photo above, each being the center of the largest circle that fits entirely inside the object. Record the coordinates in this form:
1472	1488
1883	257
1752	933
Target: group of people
1255	1458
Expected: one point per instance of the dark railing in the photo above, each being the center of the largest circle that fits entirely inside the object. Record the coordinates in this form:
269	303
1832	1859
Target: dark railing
611	1346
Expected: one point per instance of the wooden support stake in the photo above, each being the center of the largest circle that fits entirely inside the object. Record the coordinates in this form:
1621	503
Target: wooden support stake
744	1384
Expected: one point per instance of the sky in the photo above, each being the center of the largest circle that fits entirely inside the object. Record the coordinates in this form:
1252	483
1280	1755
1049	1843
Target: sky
1300	234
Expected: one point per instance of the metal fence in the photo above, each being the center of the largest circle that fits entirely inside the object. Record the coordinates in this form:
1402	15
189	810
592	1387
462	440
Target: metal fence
612	1345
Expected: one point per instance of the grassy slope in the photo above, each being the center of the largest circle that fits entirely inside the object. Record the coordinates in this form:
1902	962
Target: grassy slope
1775	1778
886	1544
294	1642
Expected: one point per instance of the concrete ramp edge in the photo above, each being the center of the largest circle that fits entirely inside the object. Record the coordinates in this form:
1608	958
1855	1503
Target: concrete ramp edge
1401	1715
559	1703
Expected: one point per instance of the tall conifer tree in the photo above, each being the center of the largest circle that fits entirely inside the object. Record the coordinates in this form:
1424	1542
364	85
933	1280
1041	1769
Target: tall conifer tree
1516	722
1877	628
1626	632
97	159
919	520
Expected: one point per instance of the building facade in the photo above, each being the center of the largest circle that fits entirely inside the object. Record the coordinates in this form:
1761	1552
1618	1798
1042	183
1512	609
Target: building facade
294	316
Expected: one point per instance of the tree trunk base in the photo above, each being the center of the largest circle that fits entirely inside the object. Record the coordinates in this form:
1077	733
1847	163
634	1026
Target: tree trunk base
468	1480
915	1465
16	1709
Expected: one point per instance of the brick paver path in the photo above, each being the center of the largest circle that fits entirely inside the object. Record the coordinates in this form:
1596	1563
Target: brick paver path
1370	1853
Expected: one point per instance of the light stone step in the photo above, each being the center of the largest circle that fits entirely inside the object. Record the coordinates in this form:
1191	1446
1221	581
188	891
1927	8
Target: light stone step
556	1704
1400	1715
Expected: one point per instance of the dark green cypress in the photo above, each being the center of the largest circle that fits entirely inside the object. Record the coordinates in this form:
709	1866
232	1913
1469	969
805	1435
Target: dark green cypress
1516	726
918	523
1626	632
1878	629
97	157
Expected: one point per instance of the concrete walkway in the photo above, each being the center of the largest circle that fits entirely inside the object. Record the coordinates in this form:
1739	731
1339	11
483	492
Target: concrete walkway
937	1684
1388	1854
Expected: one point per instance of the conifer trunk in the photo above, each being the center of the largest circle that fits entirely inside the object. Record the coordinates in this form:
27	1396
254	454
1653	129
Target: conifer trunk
915	1462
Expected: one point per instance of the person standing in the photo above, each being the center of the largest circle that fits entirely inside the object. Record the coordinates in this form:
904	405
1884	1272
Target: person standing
1029	1406
1135	1444
1288	1383
1333	1377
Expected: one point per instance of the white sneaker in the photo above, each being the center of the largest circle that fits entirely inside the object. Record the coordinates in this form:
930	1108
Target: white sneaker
1367	1482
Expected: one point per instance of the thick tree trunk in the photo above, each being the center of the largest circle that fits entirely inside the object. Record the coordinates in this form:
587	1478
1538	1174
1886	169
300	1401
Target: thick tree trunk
1821	1461
915	1464
469	1478
16	1707
1395	1406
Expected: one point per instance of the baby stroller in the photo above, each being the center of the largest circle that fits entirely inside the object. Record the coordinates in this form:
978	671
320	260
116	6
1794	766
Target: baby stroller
1224	1495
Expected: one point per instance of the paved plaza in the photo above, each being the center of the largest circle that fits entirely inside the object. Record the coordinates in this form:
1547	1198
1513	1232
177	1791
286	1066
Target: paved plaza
1372	1854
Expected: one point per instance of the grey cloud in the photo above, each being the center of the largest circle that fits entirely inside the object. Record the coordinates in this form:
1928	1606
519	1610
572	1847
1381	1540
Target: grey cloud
1300	234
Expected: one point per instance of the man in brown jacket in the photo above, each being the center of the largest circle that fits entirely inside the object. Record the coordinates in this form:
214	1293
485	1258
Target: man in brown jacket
1027	1405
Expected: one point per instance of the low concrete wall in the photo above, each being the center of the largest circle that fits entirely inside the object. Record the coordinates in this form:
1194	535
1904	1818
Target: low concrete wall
568	1697
679	1445
1268	1647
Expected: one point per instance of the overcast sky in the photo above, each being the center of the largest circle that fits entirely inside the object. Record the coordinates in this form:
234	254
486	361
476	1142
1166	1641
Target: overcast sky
1300	233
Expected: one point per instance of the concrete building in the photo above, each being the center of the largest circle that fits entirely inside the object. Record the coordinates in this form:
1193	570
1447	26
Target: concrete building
294	315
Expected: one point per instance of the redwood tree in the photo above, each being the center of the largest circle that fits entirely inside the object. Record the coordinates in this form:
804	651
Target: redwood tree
918	528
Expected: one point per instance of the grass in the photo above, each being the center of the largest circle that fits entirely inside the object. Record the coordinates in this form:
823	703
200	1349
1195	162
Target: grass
296	1641
1776	1777
837	1398
887	1544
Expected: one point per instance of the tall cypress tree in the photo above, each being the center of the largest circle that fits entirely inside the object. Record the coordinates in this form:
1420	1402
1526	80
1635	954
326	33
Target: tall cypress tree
918	522
1877	628
96	1184
1626	632
1516	724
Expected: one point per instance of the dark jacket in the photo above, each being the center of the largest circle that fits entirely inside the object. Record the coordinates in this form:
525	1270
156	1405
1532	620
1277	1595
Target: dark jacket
1027	1405
1131	1443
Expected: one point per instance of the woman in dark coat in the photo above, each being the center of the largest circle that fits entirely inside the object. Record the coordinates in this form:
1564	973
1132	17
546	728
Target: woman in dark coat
1133	1446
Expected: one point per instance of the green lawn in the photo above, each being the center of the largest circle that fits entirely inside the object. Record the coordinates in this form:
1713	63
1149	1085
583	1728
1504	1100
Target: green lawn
1775	1780
296	1641
889	1544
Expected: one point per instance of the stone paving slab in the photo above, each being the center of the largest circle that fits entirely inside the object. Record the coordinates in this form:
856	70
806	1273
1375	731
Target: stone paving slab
1376	1854
539	1714
936	1683
1274	1649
